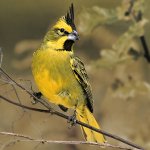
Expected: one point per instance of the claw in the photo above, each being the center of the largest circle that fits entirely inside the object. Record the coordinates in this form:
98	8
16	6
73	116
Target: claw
72	119
38	95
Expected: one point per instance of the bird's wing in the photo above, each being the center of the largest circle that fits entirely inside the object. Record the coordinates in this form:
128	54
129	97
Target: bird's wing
82	77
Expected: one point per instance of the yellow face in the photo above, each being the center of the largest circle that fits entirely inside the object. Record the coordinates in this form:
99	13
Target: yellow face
61	24
61	36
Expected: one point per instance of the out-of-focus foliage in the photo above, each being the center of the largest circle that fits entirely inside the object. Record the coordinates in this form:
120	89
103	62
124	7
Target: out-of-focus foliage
125	49
128	7
22	52
91	17
125	65
130	89
109	43
120	50
95	16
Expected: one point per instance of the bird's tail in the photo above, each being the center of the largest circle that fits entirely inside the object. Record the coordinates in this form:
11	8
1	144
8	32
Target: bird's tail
87	117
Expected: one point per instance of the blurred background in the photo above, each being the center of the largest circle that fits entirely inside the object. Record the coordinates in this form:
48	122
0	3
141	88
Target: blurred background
111	50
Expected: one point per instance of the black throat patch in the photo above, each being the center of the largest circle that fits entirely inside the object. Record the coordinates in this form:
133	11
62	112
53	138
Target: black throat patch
68	45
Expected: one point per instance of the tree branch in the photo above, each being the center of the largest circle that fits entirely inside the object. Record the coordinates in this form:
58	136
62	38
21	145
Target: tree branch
142	39
50	110
11	81
138	17
25	138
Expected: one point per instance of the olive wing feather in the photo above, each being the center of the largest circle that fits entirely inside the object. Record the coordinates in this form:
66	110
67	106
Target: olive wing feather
82	77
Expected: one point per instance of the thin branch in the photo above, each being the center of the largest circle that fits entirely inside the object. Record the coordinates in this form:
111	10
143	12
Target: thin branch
16	93
128	12
50	110
145	47
143	39
25	138
23	106
12	81
8	144
78	122
138	17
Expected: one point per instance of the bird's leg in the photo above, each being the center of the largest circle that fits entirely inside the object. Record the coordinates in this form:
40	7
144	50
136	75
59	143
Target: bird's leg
65	94
37	95
72	119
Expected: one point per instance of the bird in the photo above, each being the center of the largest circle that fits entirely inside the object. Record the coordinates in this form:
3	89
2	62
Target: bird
61	76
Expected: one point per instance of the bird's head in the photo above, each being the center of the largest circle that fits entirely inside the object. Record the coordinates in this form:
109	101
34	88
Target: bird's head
63	34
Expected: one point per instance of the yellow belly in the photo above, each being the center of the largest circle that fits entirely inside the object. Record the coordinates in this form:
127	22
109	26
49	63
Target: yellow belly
53	76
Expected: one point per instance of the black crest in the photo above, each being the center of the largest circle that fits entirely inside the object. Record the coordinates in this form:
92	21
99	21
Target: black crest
69	17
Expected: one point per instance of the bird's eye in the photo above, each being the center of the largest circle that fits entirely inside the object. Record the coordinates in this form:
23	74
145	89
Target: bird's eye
62	30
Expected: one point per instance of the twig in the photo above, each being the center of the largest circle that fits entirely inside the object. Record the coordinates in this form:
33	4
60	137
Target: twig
7	144
128	12
16	94
12	81
145	47
78	122
50	110
25	138
138	18
142	39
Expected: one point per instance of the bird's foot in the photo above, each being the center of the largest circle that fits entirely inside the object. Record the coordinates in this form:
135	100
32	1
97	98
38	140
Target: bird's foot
72	119
37	95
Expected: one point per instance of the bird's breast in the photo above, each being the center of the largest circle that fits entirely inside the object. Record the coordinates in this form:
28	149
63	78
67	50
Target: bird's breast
53	74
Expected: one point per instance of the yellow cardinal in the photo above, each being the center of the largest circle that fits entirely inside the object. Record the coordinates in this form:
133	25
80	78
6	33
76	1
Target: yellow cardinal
61	77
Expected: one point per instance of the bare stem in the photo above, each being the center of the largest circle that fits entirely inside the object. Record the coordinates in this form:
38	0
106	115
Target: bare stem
138	17
50	110
25	138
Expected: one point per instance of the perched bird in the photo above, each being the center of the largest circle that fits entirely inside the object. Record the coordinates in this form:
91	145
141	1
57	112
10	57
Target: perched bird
61	77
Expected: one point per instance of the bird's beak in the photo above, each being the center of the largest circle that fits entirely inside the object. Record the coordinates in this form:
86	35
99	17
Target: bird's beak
73	36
